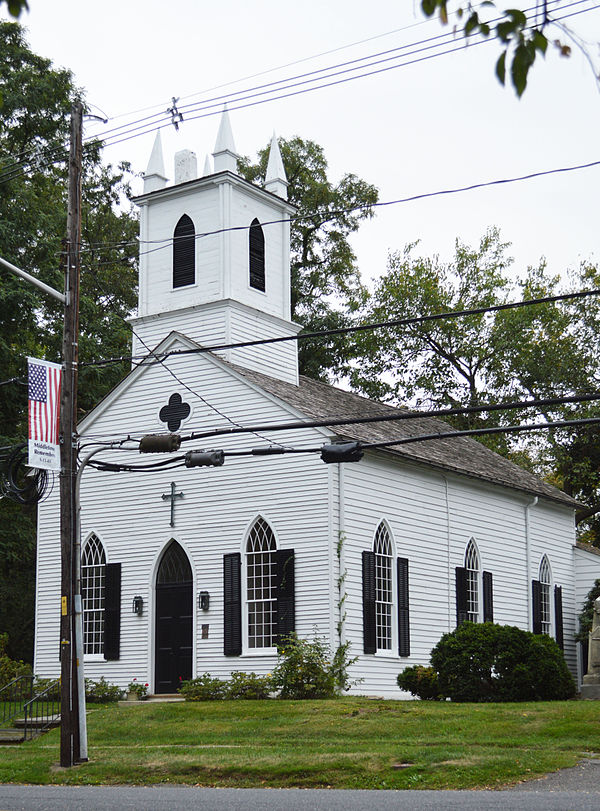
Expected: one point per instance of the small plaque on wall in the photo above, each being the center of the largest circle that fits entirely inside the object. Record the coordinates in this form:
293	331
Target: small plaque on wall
205	632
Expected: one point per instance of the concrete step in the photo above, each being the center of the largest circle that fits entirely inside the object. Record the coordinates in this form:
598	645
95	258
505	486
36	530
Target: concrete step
11	736
36	723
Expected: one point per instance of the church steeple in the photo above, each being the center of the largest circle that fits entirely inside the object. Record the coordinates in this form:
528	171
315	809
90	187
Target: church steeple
225	156
219	270
155	177
275	179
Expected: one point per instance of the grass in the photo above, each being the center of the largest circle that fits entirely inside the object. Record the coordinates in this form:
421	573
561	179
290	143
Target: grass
347	743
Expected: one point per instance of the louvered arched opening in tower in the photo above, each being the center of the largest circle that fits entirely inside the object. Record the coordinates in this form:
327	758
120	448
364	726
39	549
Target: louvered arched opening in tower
184	253
257	256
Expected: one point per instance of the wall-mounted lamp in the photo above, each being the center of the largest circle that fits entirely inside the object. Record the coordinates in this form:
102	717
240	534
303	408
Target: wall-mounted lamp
138	605
204	600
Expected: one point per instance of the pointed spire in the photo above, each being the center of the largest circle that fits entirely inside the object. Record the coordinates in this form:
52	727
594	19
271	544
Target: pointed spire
225	156
207	167
155	177
275	179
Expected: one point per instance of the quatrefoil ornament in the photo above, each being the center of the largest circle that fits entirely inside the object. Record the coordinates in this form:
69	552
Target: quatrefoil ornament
175	412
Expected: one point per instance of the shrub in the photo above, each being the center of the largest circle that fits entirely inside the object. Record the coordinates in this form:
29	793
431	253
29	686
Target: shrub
248	685
139	688
40	685
421	681
10	668
203	688
487	662
305	669
101	692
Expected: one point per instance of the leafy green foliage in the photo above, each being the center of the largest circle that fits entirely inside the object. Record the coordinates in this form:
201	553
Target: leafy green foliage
36	105
520	37
203	688
586	615
326	285
420	681
15	7
488	662
139	688
102	691
305	669
10	668
535	352
249	685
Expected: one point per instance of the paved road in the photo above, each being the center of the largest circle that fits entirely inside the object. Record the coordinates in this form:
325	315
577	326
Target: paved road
183	798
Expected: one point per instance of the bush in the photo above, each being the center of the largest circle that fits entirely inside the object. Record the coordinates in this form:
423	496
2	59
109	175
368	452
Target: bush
203	688
10	668
487	662
248	685
40	685
102	692
305	669
421	681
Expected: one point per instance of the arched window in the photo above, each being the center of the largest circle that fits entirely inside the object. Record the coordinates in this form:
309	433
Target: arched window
174	566
472	569
382	547
256	240
545	583
261	585
93	577
184	253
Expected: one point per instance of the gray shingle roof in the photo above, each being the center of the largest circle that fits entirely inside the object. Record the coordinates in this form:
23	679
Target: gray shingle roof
462	455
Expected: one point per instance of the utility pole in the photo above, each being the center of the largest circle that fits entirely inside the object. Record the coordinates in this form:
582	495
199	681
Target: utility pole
69	728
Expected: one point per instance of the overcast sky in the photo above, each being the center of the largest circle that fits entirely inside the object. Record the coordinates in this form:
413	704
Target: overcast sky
436	124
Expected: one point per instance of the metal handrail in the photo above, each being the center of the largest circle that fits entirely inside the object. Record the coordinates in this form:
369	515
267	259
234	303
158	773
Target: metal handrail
14	695
41	711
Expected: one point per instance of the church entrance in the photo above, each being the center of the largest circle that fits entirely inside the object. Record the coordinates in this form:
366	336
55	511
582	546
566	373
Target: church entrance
173	620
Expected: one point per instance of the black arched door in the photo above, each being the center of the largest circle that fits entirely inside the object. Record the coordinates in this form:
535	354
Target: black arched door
173	620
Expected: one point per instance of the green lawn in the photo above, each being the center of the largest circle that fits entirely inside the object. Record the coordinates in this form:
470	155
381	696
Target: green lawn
348	743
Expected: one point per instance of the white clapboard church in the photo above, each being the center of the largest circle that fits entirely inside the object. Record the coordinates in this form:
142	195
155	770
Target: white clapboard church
203	569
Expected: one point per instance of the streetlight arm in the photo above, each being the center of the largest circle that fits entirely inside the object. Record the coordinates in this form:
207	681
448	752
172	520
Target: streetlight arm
45	287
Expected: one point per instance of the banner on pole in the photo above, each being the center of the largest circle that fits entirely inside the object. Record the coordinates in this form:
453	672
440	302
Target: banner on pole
44	381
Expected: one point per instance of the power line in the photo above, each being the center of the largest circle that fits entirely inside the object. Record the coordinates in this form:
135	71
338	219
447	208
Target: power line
179	461
169	241
398	322
330	422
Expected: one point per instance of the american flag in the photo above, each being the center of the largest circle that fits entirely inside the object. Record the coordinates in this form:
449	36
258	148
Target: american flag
44	399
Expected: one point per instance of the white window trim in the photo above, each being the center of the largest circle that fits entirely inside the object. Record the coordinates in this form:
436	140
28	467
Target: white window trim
247	651
392	651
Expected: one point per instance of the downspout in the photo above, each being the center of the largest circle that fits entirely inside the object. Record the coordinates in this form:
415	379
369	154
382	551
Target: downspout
341	540
528	562
448	589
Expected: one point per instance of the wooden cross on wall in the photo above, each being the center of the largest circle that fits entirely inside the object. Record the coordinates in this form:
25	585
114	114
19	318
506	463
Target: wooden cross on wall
171	497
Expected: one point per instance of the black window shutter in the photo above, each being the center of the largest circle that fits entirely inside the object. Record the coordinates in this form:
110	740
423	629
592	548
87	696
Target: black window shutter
285	590
232	598
256	240
403	608
368	590
558	617
488	597
536	593
184	253
112	611
461	595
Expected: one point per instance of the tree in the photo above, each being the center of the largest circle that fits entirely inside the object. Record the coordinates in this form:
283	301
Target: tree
326	285
521	37
533	352
37	99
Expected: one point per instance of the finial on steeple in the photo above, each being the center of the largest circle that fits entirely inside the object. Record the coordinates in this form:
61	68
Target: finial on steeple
155	177
207	167
275	179
225	156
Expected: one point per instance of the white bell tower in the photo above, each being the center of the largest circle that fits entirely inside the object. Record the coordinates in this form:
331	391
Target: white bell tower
215	257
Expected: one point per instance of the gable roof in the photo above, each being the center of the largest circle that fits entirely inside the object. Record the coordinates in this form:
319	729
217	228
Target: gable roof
463	455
